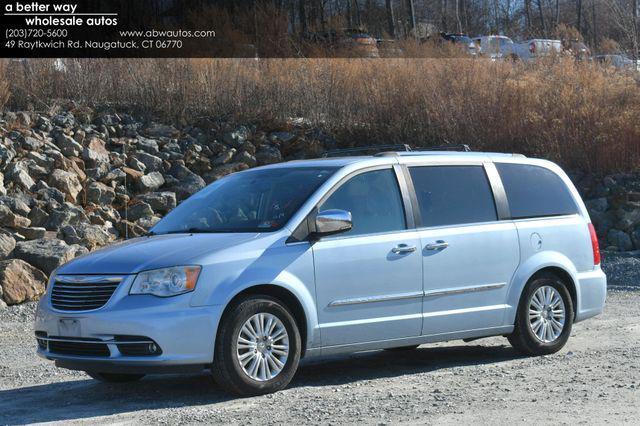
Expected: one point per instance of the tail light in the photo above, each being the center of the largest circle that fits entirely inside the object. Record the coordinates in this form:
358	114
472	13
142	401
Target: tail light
532	47
594	244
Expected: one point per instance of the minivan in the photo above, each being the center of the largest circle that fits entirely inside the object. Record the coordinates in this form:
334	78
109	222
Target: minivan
335	255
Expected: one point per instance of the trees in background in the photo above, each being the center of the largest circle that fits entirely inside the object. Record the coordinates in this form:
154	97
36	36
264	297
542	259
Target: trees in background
595	20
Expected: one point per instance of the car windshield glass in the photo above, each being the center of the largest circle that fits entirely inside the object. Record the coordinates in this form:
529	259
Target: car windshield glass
252	201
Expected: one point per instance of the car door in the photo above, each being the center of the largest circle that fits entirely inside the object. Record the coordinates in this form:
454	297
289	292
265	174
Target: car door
469	255
369	279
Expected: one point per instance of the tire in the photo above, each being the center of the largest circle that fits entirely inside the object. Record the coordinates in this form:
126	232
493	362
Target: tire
114	378
234	375
402	348
523	338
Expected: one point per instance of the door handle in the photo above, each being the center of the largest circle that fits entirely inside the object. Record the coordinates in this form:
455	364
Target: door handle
403	249
437	245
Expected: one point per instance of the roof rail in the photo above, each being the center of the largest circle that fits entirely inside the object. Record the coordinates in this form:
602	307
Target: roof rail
459	147
366	150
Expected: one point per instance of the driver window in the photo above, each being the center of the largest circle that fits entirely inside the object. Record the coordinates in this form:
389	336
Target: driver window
374	200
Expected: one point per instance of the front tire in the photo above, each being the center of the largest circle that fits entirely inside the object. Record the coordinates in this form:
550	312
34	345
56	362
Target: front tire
544	318
114	378
258	347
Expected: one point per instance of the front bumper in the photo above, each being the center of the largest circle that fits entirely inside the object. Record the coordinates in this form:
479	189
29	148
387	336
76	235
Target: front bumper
184	334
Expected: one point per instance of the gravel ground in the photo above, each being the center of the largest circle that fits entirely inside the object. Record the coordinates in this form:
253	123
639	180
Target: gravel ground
595	379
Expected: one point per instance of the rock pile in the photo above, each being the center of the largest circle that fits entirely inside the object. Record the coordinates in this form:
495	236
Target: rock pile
78	179
614	207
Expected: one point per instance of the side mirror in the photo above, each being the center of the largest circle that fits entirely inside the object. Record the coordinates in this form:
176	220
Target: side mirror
331	222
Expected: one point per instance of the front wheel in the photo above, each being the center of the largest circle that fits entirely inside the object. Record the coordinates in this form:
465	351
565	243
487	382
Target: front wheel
258	347
544	317
114	378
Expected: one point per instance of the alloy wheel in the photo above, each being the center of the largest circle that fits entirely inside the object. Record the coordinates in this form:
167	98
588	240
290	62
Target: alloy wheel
547	314
263	347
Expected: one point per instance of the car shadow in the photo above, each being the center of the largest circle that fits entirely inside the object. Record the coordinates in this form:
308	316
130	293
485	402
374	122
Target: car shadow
83	399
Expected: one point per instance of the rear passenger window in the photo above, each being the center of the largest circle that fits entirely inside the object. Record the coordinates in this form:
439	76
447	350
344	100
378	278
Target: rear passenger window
453	195
534	191
374	200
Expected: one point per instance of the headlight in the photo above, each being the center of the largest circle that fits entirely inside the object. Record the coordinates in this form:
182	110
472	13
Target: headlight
167	281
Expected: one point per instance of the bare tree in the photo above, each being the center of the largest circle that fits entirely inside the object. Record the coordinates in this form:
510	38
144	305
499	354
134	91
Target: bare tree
390	18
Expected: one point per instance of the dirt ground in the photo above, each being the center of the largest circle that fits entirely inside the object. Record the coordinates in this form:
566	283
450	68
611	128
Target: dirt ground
595	379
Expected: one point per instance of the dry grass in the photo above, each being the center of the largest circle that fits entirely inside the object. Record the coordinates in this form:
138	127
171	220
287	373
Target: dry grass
581	115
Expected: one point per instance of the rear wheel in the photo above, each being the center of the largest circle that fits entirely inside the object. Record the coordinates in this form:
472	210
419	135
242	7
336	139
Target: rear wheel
114	378
544	317
258	347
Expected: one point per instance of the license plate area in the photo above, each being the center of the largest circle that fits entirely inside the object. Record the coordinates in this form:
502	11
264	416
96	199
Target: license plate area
69	327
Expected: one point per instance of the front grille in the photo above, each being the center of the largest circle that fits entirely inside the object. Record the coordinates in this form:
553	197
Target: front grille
78	346
82	293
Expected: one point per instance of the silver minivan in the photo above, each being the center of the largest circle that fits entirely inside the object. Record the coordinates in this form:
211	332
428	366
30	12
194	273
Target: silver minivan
336	255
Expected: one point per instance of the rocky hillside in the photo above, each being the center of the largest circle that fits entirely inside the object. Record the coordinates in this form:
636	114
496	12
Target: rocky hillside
78	179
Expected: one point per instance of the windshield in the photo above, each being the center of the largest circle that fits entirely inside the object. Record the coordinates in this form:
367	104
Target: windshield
252	201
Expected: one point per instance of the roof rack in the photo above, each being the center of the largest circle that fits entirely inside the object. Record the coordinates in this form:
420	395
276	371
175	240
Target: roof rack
459	147
366	150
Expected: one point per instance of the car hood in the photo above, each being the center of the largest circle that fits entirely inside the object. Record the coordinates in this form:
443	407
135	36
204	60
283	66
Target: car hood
159	251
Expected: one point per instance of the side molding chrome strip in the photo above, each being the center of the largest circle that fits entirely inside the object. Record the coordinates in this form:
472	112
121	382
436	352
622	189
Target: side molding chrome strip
374	299
461	290
416	294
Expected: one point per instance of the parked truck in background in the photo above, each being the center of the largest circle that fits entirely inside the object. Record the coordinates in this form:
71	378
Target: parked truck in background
531	50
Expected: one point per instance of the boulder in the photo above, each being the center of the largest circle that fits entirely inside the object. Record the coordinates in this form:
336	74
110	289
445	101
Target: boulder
139	210
31	144
151	182
224	157
135	164
635	238
188	183
156	130
65	214
38	216
620	239
268	154
161	202
237	137
66	182
128	229
7	244
101	194
151	162
3	190
7	153
68	146
32	233
12	220
20	281
18	173
628	217
95	152
598	204
148	222
90	236
45	254
247	158
148	145
17	205
222	171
